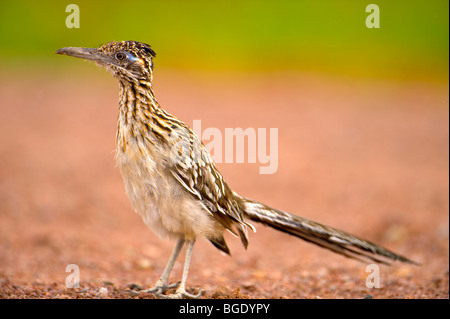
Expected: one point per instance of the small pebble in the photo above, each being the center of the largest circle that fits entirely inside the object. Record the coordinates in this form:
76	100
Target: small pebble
103	292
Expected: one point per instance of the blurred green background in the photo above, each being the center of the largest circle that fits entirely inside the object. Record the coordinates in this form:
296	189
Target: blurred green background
309	36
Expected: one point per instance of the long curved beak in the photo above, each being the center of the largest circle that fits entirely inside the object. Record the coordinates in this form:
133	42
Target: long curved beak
83	53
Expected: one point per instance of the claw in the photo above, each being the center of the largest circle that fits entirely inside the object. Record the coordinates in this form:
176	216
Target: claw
158	290
181	294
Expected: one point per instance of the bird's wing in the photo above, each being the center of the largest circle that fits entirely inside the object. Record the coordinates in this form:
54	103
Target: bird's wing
191	165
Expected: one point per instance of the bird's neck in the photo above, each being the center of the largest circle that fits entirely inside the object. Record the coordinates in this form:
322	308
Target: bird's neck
134	97
140	116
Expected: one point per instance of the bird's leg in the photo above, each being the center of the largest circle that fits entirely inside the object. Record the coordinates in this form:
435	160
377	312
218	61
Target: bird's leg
161	285
181	291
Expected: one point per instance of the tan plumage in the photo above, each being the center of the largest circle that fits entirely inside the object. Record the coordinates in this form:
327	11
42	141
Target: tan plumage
174	185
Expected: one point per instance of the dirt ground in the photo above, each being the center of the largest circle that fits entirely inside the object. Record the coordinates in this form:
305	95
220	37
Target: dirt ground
368	157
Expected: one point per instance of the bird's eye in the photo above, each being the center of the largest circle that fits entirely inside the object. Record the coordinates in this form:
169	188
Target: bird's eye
120	56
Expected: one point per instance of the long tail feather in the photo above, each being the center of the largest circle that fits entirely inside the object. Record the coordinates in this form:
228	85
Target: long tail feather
327	237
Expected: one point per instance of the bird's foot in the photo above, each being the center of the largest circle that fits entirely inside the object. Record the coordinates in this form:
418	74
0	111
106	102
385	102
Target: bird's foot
181	294
158	290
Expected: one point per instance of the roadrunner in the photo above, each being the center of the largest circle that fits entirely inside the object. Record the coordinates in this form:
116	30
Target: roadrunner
174	185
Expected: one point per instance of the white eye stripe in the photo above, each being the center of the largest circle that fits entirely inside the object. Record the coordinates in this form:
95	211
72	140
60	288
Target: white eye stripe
131	57
122	55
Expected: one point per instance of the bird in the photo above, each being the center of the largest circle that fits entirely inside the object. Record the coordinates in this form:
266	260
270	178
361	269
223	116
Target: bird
174	185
